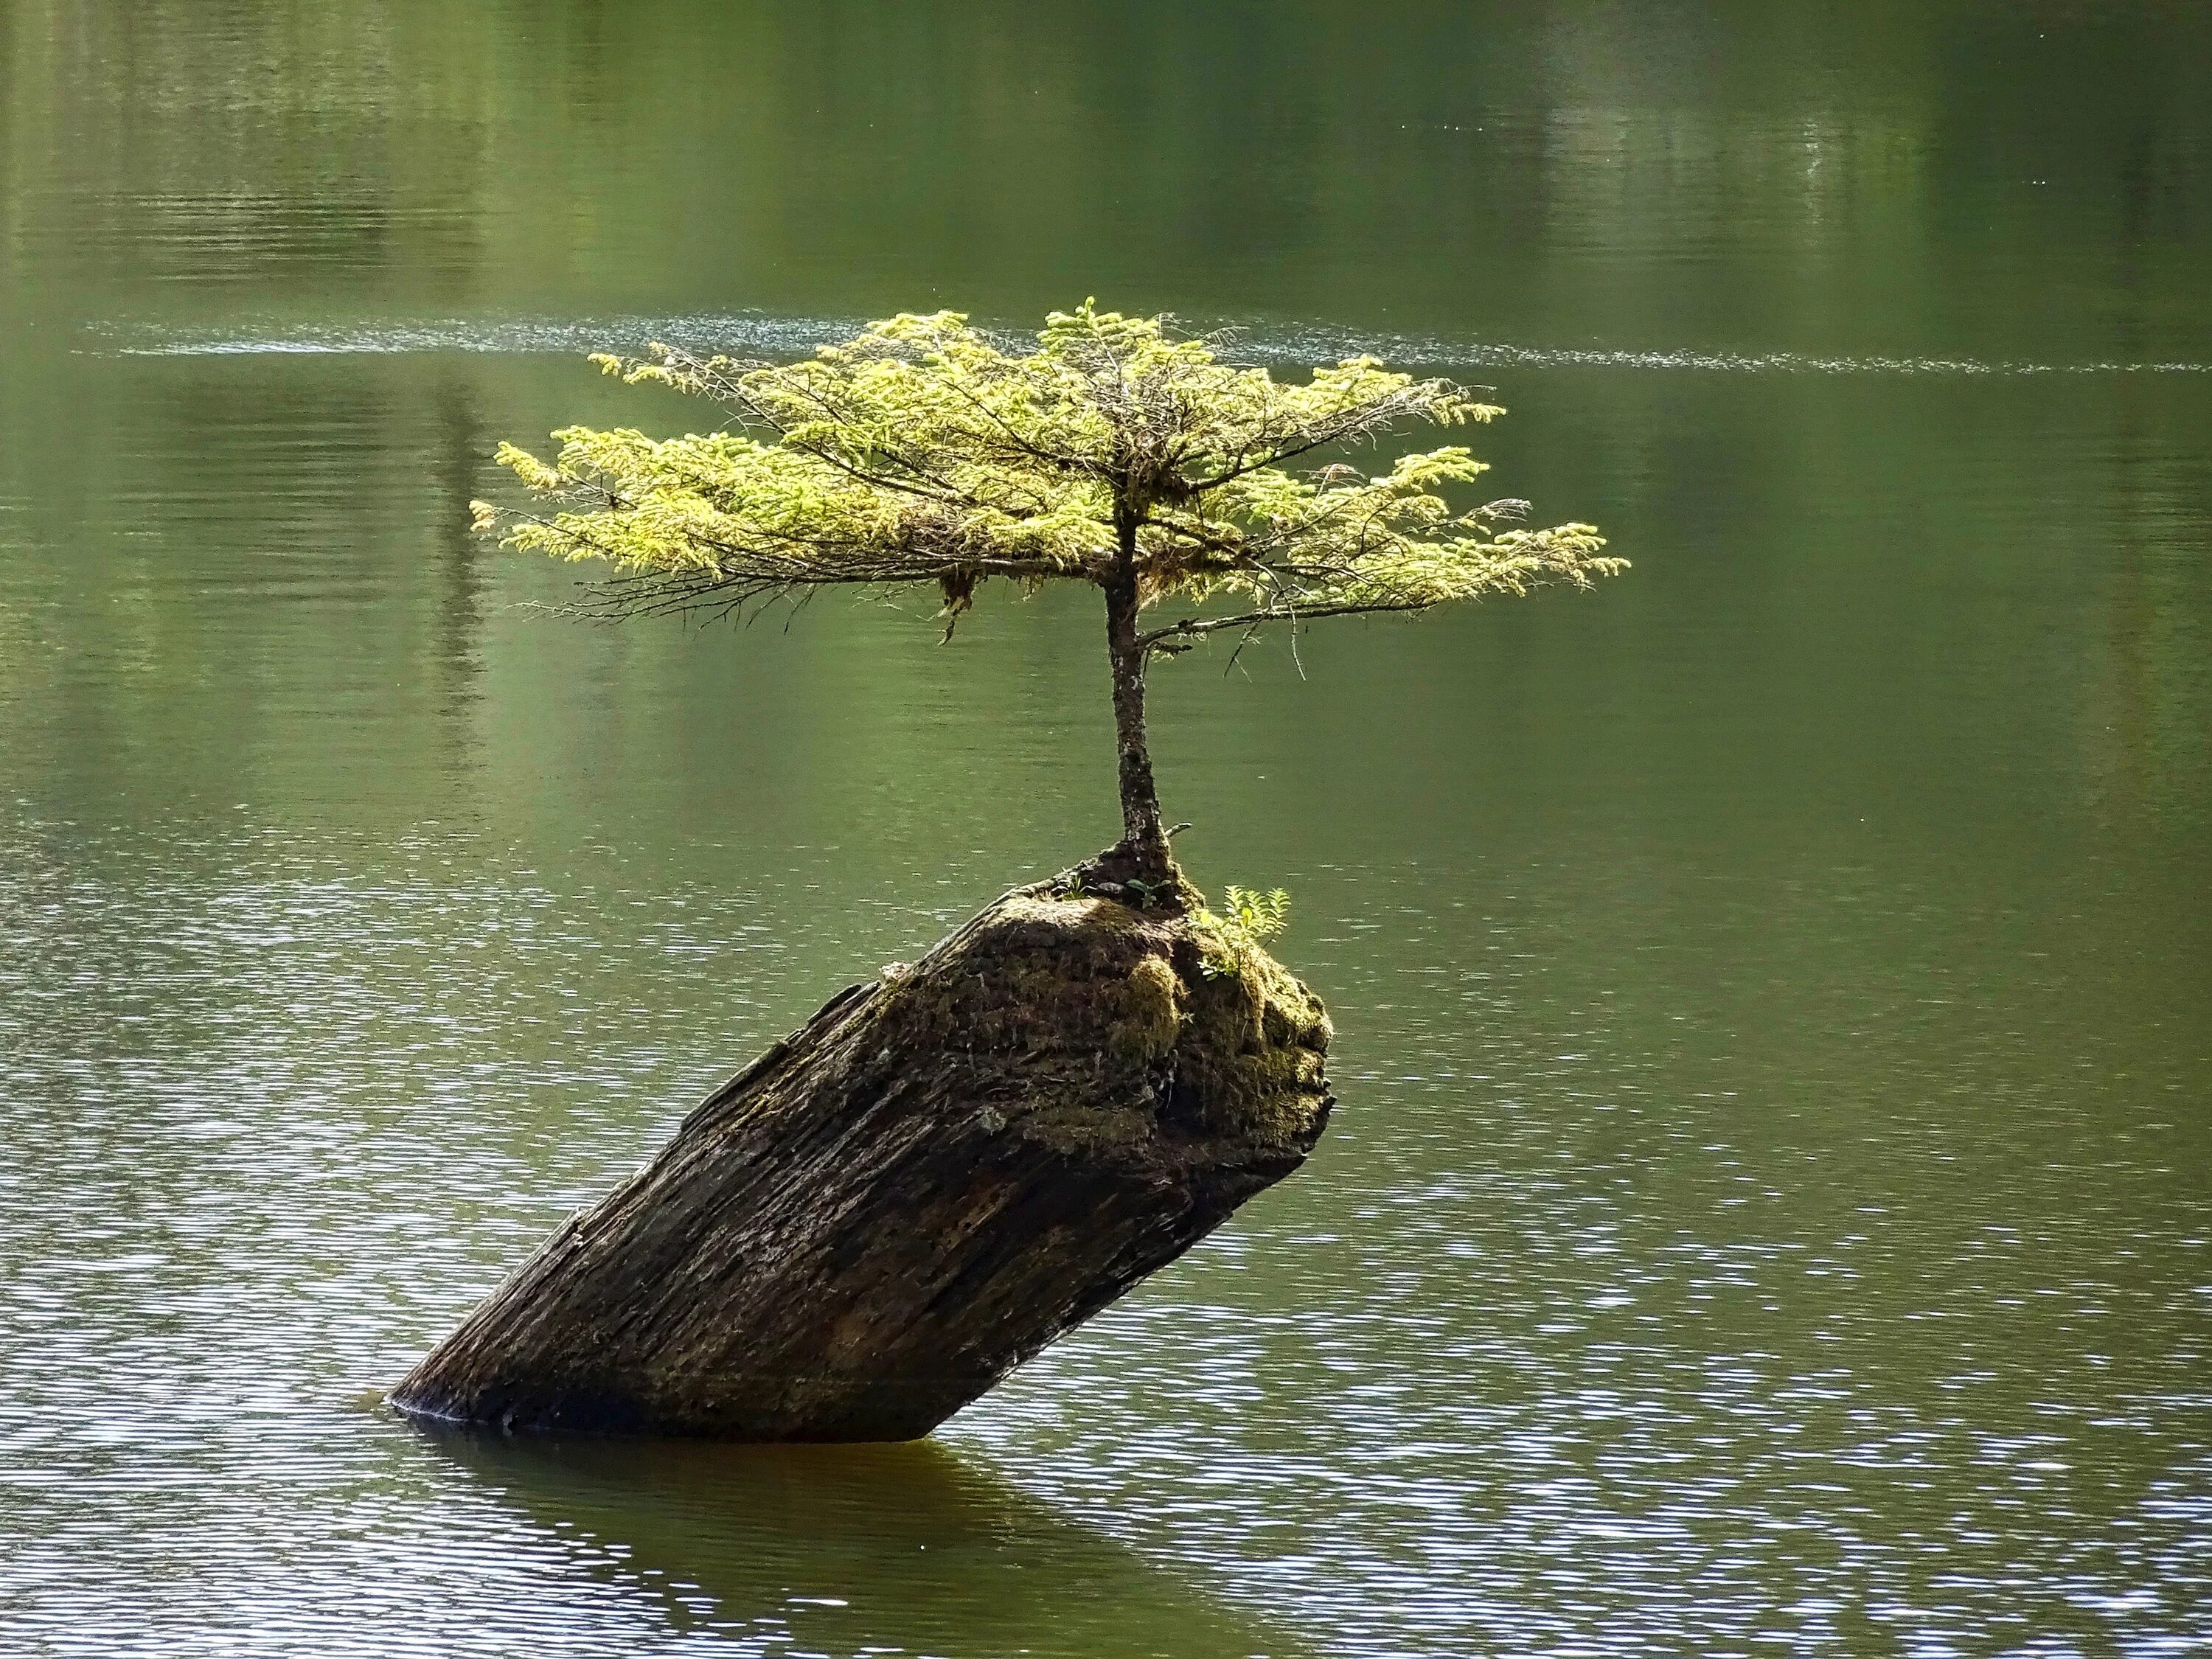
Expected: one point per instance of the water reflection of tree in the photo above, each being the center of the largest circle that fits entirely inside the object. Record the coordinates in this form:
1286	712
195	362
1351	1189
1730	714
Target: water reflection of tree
457	655
909	1548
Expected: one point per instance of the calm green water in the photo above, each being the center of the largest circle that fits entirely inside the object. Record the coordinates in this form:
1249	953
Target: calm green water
1770	1209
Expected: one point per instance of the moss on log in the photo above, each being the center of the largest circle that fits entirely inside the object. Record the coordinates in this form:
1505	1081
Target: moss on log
940	1172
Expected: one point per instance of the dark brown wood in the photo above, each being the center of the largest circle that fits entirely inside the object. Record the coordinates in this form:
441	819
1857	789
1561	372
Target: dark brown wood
939	1173
1144	833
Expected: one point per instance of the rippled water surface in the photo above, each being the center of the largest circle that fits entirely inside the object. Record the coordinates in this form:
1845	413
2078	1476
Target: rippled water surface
1771	1205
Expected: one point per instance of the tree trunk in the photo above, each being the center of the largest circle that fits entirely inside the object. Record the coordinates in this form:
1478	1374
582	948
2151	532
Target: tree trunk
942	1171
1143	832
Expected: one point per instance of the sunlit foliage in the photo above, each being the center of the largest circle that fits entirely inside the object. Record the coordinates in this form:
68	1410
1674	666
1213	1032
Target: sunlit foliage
925	451
1233	938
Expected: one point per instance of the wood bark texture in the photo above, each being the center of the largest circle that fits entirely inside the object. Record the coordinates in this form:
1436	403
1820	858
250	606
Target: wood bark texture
940	1172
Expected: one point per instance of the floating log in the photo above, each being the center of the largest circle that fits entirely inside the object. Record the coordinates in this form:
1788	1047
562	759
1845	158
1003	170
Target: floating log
940	1172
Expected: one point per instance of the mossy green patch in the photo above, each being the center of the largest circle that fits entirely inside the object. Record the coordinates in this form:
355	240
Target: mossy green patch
1151	1015
1120	1016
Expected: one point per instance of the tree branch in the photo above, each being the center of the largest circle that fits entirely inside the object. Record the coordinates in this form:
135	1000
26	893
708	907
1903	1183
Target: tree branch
1196	626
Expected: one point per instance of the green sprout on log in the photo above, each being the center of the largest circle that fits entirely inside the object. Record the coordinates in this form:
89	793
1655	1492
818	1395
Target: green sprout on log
1260	916
1233	940
1118	452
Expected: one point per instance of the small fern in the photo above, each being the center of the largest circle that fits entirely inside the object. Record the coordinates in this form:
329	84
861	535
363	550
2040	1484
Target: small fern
1262	915
1252	918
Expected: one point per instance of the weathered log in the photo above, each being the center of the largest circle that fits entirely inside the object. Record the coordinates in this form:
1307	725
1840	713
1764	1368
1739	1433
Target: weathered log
940	1172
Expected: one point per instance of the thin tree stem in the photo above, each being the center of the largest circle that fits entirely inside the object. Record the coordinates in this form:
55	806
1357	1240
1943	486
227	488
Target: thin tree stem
1142	829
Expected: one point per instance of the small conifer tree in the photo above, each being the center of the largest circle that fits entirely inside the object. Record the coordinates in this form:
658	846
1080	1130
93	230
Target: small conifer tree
1116	454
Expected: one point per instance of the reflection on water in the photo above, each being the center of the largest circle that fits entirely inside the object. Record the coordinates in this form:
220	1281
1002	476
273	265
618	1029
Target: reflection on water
853	1549
1296	345
1770	1202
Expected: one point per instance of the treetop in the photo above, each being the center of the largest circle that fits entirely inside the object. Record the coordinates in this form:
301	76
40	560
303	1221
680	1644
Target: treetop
922	451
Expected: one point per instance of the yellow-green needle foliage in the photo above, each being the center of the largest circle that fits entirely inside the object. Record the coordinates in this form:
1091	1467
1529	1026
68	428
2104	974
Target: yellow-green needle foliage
1115	454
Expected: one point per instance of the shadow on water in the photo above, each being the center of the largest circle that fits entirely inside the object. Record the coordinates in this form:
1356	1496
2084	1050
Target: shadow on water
889	1548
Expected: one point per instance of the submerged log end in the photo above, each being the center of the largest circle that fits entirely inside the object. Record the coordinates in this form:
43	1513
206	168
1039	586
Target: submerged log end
934	1177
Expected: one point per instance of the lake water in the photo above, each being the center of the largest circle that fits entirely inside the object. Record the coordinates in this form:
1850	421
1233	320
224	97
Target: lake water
1771	1205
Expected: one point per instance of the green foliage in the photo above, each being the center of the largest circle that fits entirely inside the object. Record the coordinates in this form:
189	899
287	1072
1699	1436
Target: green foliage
1262	915
1233	940
921	452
